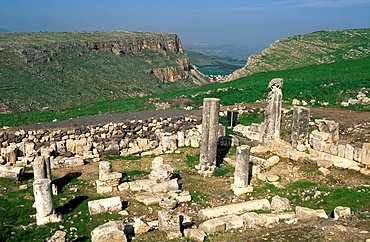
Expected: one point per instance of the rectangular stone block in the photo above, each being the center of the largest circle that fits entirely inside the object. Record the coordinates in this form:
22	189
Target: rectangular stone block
365	156
233	222
213	225
11	172
107	205
348	152
237	208
341	151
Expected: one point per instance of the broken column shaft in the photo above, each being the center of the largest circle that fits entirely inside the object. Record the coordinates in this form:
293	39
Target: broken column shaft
301	120
241	174
208	146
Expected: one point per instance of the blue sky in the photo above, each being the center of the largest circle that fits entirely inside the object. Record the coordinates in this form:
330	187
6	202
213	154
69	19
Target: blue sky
236	22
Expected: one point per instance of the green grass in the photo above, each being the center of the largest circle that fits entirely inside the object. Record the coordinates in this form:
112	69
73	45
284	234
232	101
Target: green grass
192	160
224	170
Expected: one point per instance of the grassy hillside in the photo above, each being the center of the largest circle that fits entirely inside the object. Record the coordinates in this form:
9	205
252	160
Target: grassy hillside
330	82
63	70
322	47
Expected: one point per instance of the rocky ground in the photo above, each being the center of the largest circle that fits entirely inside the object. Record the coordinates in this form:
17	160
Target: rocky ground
215	191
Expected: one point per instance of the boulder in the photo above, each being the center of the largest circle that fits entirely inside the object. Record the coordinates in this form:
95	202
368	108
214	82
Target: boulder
111	231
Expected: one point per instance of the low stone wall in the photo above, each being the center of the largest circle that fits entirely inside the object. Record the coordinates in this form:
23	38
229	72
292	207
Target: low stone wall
131	137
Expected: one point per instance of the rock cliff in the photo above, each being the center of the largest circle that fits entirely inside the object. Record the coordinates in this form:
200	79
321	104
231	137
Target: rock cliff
65	69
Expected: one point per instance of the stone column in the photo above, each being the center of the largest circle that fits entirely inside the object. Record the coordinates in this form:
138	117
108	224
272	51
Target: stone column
41	168
208	146
104	169
301	120
44	202
271	126
241	174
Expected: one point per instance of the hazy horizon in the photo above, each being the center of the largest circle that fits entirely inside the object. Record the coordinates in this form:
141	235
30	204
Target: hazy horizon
235	22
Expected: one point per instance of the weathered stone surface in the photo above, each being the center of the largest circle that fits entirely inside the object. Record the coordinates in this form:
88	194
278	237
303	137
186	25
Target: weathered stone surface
169	222
233	222
44	201
270	129
337	161
140	226
141	185
208	147
259	150
107	205
253	220
324	163
271	219
195	234
286	216
108	232
104	168
165	186
168	203
180	197
273	160
148	198
237	208
279	204
305	214
59	236
241	174
66	162
365	154
11	172
213	225
341	212
321	214
301	119
324	171
329	126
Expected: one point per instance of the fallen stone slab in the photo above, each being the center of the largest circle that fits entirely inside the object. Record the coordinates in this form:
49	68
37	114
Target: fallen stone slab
271	219
111	231
106	205
195	234
305	214
66	162
141	185
147	198
253	220
320	213
213	225
279	204
180	196
286	216
233	222
59	236
238	208
11	172
169	222
141	226
165	186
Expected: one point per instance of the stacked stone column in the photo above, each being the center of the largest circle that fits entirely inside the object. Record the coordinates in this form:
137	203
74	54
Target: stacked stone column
271	126
208	146
43	192
241	174
108	180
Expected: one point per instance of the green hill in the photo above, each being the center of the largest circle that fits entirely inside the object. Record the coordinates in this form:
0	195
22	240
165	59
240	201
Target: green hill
326	82
63	70
321	47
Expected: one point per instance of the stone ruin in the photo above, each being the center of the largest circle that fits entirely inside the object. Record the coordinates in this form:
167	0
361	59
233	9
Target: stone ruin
69	148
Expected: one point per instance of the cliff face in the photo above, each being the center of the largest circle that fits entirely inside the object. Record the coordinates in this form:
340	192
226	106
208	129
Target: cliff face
60	70
322	47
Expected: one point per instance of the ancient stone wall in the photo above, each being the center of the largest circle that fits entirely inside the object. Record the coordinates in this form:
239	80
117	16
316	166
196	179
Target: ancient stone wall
131	137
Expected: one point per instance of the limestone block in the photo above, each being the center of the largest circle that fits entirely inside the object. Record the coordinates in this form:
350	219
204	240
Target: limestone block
103	188
357	153
165	186
71	145
341	212
323	171
107	205
321	214
258	161
259	150
329	126
286	216
111	231
319	136
140	185
140	226
181	138
365	154
253	220
213	225
279	204
195	234
341	150
11	172
59	236
168	203
66	162
324	163
273	160
233	222
271	219
10	154
169	222
147	198
123	186
111	179
348	152
237	208
305	214
337	161
180	196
